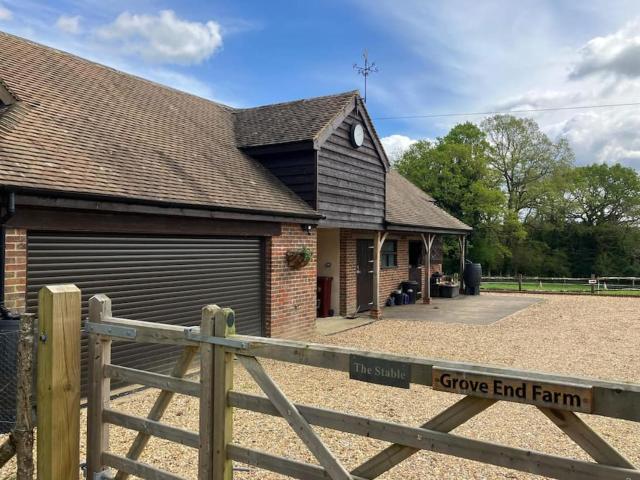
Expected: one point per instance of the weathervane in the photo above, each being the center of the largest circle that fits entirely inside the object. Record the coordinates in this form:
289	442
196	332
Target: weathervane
365	70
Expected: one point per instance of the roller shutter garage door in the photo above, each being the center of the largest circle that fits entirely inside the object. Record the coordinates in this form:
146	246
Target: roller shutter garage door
152	278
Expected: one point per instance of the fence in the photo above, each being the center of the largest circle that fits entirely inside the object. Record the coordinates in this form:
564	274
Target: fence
618	286
16	374
558	397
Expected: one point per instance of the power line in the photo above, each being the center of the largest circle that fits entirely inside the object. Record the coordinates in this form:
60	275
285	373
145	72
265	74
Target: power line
529	110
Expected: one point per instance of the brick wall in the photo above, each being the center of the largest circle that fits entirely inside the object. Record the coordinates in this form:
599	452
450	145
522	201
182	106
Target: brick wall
290	310
15	269
347	272
391	277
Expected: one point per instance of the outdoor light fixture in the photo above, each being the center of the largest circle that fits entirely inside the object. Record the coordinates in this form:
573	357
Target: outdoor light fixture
306	228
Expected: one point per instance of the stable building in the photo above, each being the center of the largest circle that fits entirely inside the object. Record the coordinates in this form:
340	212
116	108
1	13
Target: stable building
167	202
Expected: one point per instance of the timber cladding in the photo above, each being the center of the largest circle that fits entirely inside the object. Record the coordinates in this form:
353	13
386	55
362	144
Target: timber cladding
351	182
296	169
290	295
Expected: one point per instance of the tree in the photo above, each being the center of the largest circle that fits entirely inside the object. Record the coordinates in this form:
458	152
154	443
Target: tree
601	193
454	170
525	158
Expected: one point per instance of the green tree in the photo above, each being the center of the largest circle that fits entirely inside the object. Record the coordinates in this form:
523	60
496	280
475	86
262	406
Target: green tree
454	170
601	193
525	158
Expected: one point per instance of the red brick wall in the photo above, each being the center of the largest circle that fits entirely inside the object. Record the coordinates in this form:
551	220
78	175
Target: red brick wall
347	272
290	310
391	277
15	269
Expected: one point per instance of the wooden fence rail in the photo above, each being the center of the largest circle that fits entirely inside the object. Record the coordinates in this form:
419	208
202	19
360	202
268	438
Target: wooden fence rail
558	397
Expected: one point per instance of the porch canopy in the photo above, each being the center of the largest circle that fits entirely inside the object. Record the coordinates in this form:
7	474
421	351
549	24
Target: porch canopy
409	209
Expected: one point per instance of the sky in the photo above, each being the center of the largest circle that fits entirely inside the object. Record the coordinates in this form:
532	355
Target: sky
433	58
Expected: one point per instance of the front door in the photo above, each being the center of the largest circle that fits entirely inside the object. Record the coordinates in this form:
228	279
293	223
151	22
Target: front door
416	262
364	274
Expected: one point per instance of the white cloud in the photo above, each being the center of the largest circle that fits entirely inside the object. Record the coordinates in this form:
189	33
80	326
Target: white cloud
495	55
164	38
395	145
5	13
617	54
69	24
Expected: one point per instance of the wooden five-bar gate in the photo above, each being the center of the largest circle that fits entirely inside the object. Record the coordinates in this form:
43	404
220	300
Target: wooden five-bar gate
557	397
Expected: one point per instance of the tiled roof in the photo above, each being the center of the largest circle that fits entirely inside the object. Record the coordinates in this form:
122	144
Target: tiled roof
85	128
289	122
409	206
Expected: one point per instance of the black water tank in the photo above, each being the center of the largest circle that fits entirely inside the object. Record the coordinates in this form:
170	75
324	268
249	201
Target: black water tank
472	274
8	355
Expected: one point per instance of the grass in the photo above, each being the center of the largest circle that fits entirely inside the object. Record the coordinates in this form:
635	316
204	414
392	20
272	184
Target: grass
554	287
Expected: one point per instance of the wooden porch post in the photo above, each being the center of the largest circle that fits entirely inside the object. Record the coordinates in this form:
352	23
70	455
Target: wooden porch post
428	243
377	249
462	242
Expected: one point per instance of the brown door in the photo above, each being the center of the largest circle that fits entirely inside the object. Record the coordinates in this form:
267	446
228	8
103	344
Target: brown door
416	259
364	274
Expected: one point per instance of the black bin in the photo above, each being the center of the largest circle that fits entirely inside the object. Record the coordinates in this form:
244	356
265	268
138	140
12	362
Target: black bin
410	287
435	284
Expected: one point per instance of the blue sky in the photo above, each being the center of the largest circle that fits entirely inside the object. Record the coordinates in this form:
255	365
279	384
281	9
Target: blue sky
434	57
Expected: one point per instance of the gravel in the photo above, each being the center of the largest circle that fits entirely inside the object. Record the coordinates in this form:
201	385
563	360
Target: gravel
578	336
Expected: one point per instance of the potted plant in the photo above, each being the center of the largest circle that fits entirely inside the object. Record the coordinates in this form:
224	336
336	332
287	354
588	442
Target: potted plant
299	258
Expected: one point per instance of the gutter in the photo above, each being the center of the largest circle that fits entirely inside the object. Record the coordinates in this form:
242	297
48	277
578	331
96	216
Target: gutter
424	229
95	197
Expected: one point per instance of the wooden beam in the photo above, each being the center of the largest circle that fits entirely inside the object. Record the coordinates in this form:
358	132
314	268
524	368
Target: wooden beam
461	243
446	443
377	248
139	469
274	463
224	325
166	383
99	393
205	454
23	432
151	427
428	243
59	382
56	219
592	443
159	407
610	399
447	420
295	419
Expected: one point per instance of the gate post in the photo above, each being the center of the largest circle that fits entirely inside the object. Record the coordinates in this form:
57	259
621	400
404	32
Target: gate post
99	391
224	325
205	454
58	383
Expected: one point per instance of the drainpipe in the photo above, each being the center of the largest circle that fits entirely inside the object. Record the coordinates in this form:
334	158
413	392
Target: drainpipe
10	212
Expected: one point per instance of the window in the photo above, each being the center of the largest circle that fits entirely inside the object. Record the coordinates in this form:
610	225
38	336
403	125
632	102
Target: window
389	257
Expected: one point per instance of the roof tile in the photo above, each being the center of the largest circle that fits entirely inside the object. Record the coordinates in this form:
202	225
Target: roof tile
87	128
408	205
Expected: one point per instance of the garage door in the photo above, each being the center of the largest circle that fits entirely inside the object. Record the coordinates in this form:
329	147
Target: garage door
157	279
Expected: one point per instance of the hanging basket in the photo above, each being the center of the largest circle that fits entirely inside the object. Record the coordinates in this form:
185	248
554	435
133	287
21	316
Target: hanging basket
297	259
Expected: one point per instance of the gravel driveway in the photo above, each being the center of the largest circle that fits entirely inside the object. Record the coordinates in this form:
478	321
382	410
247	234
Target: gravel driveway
579	336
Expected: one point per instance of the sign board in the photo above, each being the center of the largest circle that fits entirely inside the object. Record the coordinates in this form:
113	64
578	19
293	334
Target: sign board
575	398
593	281
380	371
